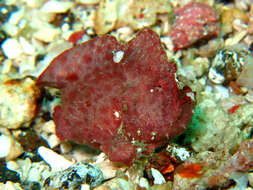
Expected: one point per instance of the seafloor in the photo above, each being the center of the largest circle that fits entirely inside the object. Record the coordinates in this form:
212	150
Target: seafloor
214	152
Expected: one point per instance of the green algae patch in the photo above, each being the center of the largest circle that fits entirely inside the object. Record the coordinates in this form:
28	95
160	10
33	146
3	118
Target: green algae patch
195	129
211	127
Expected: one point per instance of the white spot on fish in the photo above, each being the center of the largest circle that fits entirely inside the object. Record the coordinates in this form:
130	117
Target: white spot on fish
153	135
116	114
138	132
118	56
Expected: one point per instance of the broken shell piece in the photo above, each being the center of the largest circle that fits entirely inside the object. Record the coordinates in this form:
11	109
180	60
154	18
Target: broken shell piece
47	131
56	161
10	149
158	177
227	65
108	168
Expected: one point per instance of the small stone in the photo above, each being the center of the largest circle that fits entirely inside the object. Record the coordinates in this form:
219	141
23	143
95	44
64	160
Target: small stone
85	187
236	38
76	176
16	16
246	77
124	33
10	148
249	97
221	92
57	6
37	172
27	47
3	36
119	184
48	127
6	66
122	13
193	22
240	179
46	33
10	29
108	168
30	172
207	133
65	147
34	3
250	178
5	142
227	65
88	2
12	48
47	131
18	102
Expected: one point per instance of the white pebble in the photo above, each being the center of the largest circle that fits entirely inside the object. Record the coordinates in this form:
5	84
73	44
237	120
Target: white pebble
9	185
249	97
144	183
221	92
47	33
158	177
11	48
88	2
117	56
250	179
168	42
57	6
85	187
27	47
15	17
56	161
5	143
208	89
65	27
10	29
34	3
53	140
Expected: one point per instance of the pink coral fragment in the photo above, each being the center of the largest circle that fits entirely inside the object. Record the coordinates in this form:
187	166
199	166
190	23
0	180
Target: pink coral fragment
118	106
194	21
